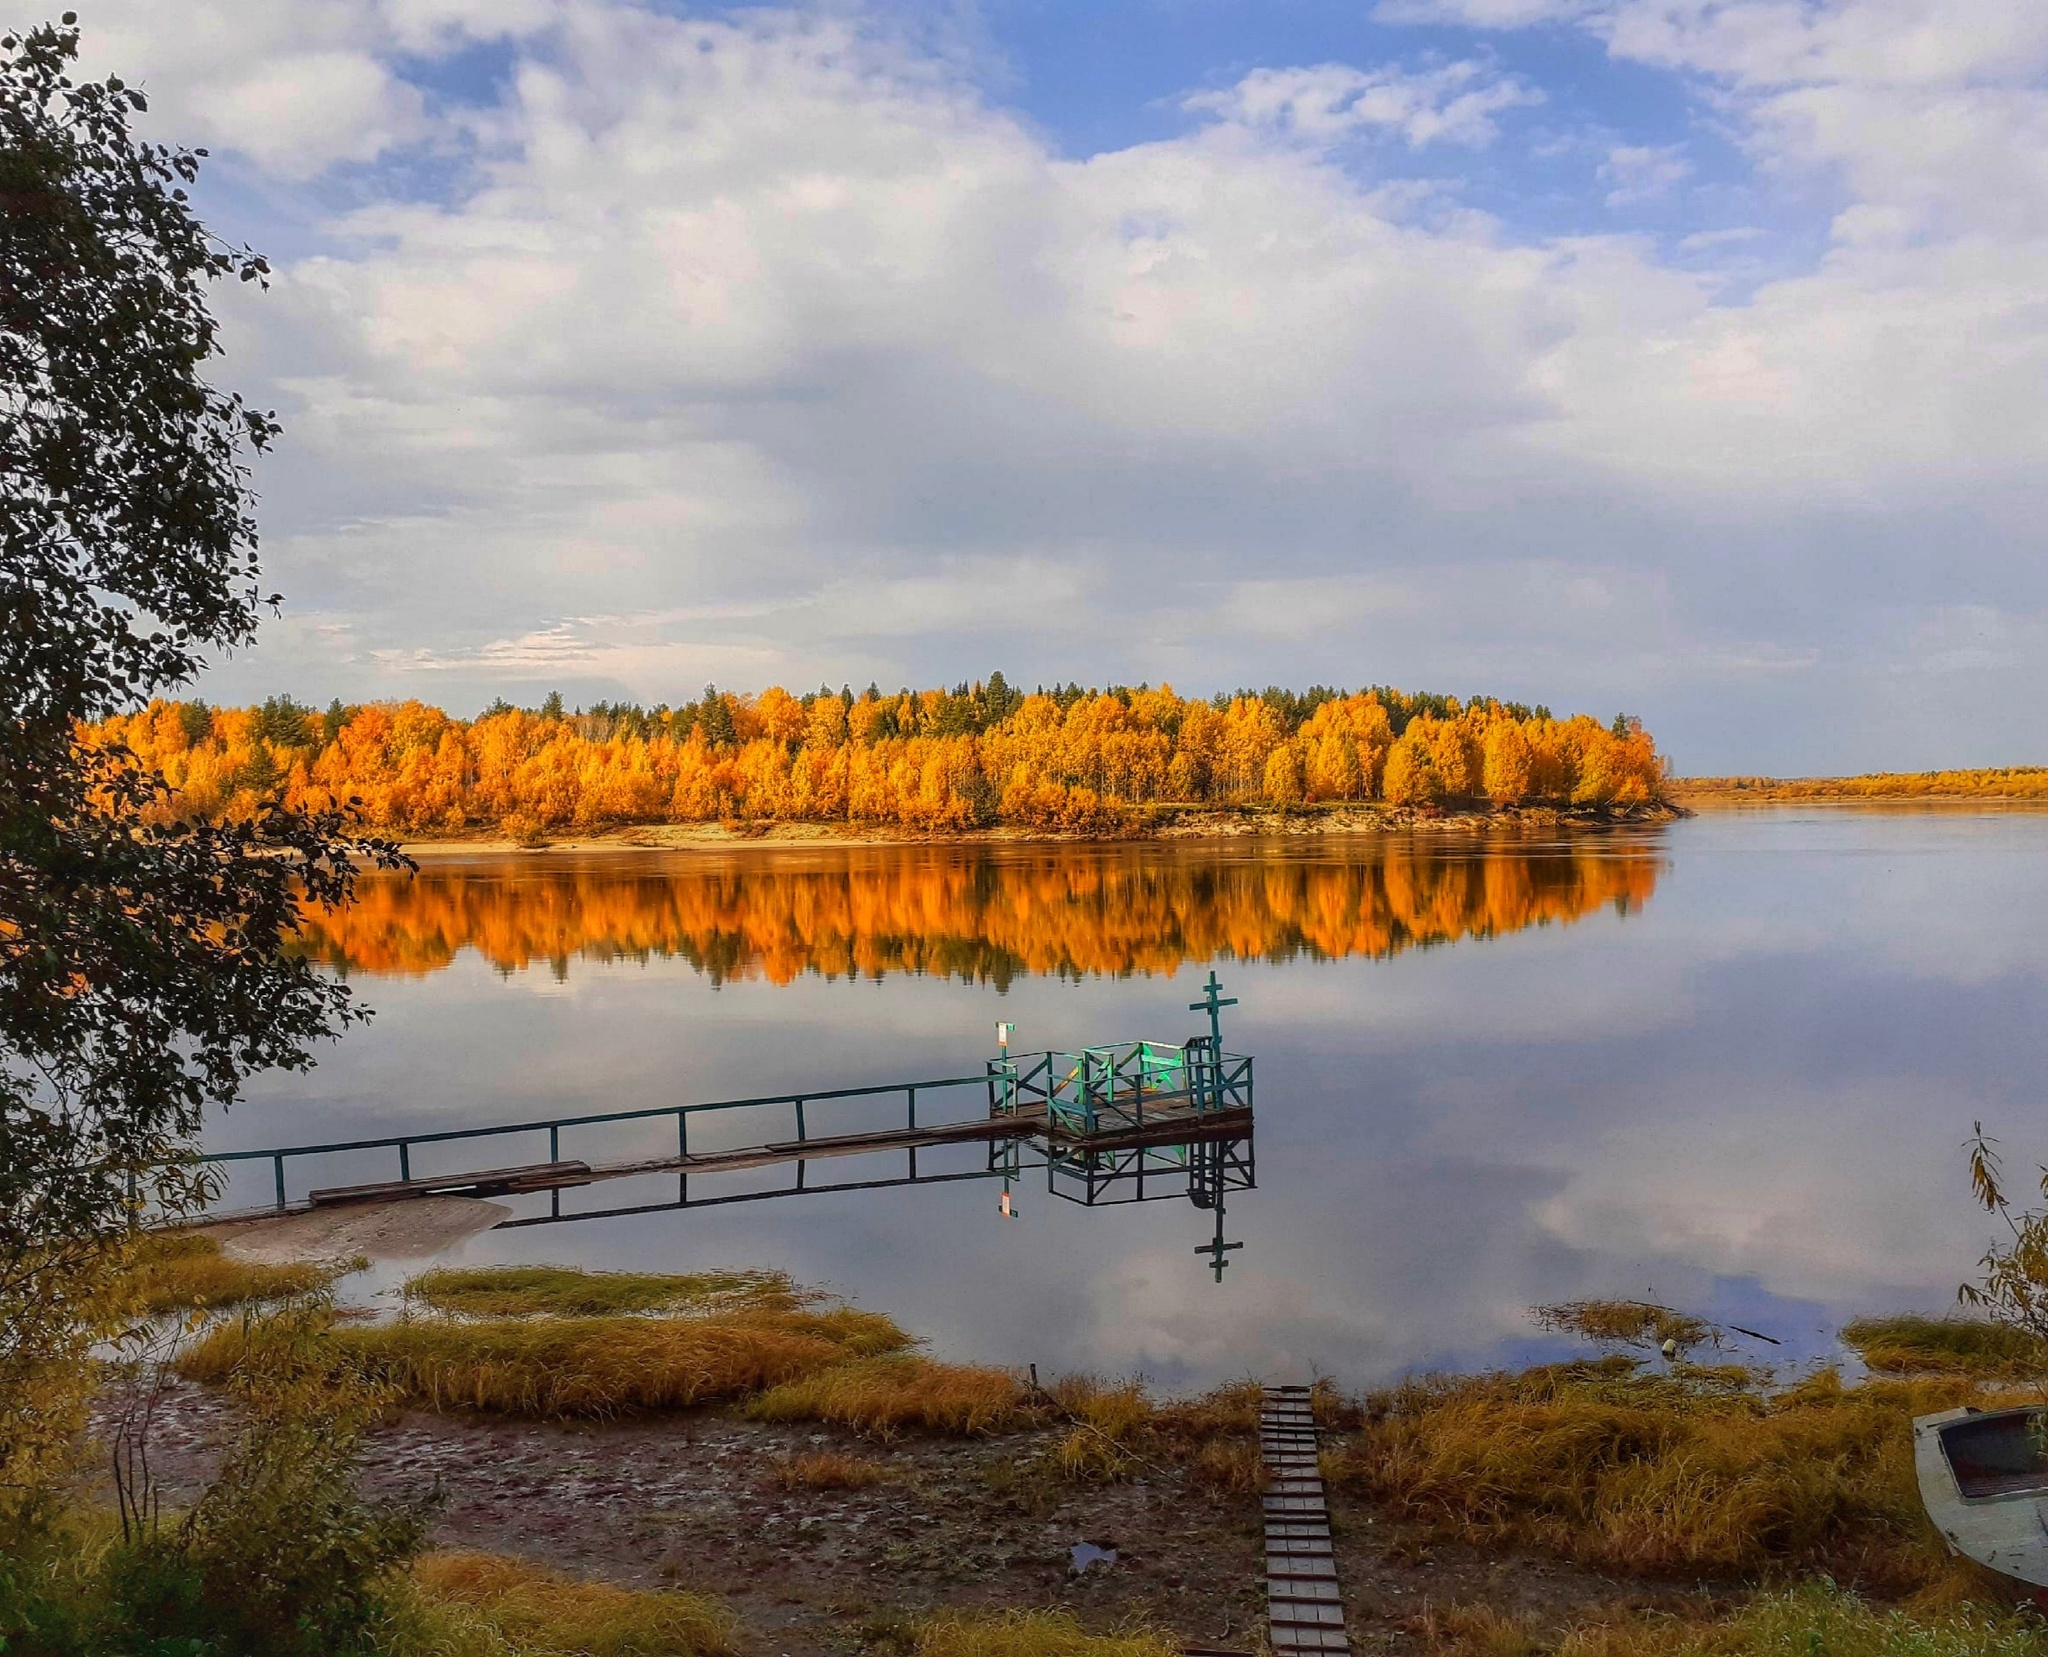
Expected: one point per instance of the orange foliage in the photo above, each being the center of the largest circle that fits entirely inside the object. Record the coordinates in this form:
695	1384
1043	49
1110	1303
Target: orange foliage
1079	761
2012	782
984	917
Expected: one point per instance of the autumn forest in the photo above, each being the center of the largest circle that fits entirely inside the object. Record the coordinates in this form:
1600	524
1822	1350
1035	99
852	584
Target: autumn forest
978	755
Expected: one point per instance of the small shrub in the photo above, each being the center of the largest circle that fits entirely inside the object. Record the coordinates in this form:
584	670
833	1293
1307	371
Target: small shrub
827	1470
537	1611
562	1291
884	1395
280	1555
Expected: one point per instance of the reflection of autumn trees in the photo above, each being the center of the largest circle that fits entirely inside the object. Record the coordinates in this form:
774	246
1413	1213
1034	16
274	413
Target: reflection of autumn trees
982	917
932	759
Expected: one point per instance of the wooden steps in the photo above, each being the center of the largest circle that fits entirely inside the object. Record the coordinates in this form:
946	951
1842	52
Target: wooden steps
1304	1611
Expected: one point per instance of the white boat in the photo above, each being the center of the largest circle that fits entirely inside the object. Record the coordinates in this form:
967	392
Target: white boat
1984	1481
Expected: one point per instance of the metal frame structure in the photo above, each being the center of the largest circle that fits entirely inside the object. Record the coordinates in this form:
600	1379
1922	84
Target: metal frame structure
1106	1123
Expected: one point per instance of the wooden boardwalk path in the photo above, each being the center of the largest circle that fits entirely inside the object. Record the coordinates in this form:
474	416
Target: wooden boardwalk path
1304	1612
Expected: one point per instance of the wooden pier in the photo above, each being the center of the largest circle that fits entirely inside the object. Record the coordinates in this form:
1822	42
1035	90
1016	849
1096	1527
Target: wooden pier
1168	1125
1132	1122
1304	1608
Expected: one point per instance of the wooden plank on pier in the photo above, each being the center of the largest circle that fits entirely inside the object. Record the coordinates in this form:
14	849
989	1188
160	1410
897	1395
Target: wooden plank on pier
491	1182
1171	1126
1304	1606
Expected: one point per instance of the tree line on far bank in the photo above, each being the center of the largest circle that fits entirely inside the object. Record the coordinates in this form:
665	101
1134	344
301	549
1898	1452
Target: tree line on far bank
974	756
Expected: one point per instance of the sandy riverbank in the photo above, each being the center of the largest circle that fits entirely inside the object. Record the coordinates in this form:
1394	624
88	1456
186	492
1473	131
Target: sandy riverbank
1164	824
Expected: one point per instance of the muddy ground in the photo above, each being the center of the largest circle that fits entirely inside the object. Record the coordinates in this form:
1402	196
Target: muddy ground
688	1501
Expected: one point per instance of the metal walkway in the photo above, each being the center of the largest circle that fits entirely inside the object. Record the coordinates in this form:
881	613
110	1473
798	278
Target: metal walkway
1304	1612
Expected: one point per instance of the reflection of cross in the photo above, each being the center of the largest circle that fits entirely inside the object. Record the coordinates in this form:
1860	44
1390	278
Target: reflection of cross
1219	1248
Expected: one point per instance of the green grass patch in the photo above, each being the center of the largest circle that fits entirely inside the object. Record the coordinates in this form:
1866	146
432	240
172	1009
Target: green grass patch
563	1291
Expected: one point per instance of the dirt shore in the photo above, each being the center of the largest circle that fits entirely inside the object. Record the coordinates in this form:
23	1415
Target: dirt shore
1186	823
689	1501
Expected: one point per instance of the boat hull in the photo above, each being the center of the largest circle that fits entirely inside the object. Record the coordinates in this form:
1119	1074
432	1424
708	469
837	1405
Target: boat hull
1984	1482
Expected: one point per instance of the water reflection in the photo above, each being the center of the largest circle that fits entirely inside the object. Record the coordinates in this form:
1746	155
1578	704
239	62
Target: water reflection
984	915
1744	1097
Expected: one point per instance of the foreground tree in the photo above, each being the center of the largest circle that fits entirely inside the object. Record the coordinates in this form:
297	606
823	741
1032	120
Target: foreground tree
144	969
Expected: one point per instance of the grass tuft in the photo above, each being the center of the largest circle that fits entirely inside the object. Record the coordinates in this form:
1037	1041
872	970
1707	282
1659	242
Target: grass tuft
827	1470
183	1271
563	1291
536	1612
1031	1634
1637	1323
553	1368
1816	1619
1642	1472
882	1396
1967	1346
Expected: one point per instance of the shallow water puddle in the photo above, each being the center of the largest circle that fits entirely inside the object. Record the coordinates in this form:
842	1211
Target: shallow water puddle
1084	1554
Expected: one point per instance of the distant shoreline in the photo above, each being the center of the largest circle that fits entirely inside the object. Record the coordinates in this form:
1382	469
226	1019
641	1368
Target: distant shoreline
1186	823
2010	786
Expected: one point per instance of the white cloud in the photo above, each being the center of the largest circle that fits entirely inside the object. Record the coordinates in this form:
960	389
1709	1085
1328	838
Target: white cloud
1643	172
772	347
1454	103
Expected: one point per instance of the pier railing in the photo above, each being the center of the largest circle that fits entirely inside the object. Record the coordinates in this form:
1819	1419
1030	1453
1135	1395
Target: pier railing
1102	1088
402	1146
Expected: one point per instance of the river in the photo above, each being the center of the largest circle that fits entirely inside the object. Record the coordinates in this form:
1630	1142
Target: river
1726	1063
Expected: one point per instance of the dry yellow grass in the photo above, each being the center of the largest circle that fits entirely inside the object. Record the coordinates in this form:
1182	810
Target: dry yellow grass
827	1470
1228	1467
536	1612
1958	1346
881	1396
589	1367
1032	1634
1232	1408
1653	1473
564	1291
1638	1323
1815	1620
186	1271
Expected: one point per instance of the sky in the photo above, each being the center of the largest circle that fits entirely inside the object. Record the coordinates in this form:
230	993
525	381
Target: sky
1681	358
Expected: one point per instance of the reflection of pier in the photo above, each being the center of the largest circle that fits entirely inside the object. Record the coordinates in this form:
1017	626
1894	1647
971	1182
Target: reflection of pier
1132	1123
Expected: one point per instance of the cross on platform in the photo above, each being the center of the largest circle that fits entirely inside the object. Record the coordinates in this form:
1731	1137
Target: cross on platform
1213	1002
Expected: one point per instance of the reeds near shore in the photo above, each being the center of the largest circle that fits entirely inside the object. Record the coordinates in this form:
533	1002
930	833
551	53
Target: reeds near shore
551	1368
187	1271
1961	1346
562	1291
882	1396
1640	1472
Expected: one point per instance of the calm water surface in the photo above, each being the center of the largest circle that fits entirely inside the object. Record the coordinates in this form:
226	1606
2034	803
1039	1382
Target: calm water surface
1727	1063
